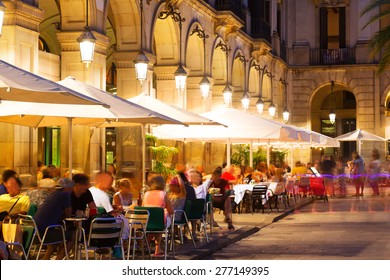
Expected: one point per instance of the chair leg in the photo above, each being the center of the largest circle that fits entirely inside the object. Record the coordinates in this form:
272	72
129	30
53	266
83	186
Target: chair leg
205	231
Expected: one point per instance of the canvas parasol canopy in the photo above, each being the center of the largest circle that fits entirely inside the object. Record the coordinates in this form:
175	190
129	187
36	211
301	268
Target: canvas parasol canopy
118	112
17	84
359	135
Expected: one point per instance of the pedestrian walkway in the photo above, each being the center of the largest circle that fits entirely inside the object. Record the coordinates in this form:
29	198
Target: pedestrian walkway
245	225
248	224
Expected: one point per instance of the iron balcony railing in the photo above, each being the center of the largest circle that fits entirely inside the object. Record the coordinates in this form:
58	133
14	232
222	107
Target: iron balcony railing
230	5
332	56
260	29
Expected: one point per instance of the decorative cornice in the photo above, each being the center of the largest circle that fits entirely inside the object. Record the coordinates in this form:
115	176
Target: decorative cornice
260	48
68	41
125	59
332	3
23	15
227	24
167	72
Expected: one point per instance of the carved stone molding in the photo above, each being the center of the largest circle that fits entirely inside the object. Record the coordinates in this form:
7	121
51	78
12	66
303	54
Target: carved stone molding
23	15
125	59
332	3
226	25
68	41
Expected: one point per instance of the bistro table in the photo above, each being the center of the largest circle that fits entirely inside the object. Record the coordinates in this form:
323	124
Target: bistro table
80	232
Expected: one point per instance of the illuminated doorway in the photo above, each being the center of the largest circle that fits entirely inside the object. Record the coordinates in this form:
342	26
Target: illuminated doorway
52	143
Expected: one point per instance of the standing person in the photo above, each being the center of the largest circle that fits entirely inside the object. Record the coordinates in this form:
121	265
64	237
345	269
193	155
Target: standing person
341	177
327	167
358	173
374	169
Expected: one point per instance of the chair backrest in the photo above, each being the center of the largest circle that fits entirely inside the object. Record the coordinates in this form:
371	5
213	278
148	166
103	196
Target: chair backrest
28	223
259	191
195	208
32	210
138	219
304	181
105	232
156	220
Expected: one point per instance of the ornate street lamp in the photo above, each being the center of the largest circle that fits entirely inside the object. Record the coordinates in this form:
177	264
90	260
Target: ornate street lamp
285	114
271	108
141	62
180	73
332	114
260	105
260	101
227	91
2	12
204	83
87	42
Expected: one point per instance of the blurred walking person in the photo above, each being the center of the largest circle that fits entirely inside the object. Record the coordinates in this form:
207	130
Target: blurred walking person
374	169
357	173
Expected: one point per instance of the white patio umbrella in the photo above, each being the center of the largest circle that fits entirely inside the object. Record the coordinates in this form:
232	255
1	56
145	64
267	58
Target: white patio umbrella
186	117
17	84
359	135
117	112
240	127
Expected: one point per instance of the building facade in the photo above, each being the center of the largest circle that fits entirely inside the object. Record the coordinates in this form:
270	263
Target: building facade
289	53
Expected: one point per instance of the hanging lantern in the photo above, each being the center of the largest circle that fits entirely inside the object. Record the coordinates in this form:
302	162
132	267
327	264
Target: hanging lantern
141	63
87	46
260	105
205	87
272	110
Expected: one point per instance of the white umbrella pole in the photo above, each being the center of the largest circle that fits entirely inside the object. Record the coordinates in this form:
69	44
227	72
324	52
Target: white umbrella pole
251	154
268	154
228	152
143	154
70	140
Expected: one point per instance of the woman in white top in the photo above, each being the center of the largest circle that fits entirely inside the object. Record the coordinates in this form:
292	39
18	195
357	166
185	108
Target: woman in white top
123	197
201	188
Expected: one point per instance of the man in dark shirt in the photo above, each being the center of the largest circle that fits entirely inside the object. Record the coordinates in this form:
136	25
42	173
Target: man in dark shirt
222	201
81	196
56	207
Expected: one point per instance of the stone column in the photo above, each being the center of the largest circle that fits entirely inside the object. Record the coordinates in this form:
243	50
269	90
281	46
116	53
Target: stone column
88	143
19	46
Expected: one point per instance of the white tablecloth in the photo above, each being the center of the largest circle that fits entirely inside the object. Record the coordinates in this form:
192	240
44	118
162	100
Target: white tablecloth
239	190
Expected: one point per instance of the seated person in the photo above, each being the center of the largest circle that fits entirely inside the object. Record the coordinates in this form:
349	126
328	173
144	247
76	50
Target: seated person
196	180
81	196
156	196
229	175
190	193
47	178
123	197
103	184
223	201
56	207
14	201
177	195
5	176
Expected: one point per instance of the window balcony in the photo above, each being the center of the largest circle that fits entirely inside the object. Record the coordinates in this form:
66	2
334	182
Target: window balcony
332	56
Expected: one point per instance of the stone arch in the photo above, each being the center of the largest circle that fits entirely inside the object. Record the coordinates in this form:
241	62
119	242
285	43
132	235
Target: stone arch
166	37
253	79
194	58
219	63
344	102
125	24
238	73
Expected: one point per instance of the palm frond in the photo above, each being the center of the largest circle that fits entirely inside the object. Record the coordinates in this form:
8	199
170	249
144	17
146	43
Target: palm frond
374	5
